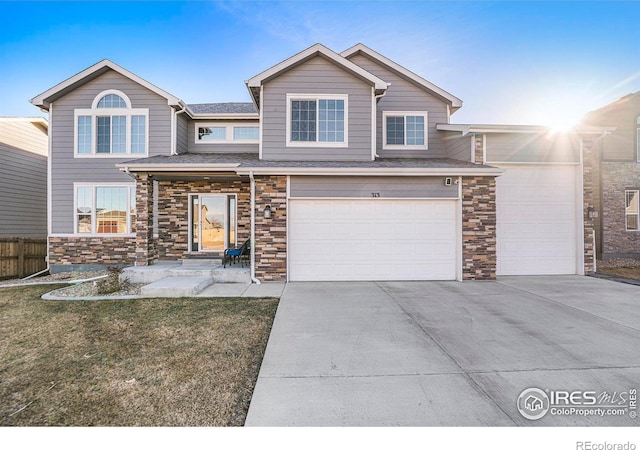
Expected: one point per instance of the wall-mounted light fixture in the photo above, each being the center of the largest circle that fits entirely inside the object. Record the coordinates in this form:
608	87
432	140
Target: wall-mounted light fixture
592	213
447	181
267	212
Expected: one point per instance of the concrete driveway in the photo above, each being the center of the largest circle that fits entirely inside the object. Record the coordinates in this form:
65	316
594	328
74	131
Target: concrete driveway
447	353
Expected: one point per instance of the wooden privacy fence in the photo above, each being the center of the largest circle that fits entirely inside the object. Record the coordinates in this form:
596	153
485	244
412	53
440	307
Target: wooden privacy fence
20	257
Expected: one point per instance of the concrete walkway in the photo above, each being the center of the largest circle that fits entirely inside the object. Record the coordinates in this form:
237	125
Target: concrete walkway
445	353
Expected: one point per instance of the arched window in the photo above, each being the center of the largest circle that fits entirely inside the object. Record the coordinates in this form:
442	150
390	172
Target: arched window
111	127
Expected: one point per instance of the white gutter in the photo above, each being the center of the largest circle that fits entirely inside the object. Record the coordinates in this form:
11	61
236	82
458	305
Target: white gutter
374	125
174	129
436	171
177	167
253	229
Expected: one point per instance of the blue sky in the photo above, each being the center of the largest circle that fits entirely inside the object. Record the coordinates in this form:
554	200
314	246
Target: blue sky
510	62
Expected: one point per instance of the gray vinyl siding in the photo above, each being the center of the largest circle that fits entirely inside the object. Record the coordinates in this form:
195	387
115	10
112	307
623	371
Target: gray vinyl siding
66	169
457	147
219	148
316	76
404	95
366	187
620	144
525	147
182	134
23	180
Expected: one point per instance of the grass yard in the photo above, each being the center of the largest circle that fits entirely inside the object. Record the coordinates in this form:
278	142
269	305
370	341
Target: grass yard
623	272
155	362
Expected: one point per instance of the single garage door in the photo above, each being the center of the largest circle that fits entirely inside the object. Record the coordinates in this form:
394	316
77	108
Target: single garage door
536	220
349	240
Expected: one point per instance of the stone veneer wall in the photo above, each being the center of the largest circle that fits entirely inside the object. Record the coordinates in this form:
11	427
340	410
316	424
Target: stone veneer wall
271	234
616	240
478	228
173	212
118	250
146	249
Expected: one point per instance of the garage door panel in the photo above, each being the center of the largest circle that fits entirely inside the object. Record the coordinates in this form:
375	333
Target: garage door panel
536	220
372	240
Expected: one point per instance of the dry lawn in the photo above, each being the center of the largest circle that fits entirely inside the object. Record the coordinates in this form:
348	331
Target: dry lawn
622	272
156	362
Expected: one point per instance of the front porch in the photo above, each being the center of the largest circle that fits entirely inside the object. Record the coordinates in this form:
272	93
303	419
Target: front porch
185	219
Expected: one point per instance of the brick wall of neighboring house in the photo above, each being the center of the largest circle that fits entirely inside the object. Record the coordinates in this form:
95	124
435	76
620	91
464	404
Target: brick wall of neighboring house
478	146
173	212
589	196
271	234
119	250
478	228
616	178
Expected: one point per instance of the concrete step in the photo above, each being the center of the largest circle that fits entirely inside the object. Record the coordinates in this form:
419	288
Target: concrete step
231	274
212	262
190	271
147	274
176	287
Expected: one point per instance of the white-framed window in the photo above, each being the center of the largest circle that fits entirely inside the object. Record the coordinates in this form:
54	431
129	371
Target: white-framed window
227	133
107	208
632	210
111	128
317	120
404	130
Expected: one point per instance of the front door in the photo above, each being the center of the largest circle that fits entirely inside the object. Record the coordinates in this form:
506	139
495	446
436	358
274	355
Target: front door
213	222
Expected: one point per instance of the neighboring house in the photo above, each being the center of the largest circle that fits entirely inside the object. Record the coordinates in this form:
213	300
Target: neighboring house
23	177
344	167
617	178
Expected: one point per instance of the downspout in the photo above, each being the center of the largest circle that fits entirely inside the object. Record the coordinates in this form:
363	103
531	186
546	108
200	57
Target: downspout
253	229
174	129
374	113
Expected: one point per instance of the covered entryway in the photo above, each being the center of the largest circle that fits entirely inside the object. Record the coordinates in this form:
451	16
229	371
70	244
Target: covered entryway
372	239
537	220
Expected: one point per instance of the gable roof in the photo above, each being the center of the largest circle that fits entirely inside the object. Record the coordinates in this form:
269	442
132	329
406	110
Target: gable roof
254	83
47	97
454	101
621	102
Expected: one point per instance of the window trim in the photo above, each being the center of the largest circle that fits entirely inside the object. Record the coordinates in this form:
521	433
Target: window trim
93	187
637	213
316	98
404	114
229	128
94	112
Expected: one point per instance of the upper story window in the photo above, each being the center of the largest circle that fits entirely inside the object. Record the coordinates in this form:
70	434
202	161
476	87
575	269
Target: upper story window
226	133
632	210
111	127
317	120
404	130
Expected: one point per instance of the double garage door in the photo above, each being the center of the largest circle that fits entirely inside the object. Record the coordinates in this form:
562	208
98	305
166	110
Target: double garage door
419	239
378	239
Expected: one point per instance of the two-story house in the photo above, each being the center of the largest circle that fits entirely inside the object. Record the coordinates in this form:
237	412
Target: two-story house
344	166
617	178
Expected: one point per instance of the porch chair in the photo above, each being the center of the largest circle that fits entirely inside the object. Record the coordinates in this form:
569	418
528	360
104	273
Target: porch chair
234	254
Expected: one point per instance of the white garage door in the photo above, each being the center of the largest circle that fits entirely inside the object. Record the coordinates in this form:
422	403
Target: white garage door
333	240
536	220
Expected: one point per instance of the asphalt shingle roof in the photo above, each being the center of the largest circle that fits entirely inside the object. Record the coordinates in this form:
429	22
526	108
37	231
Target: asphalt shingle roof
252	160
223	108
